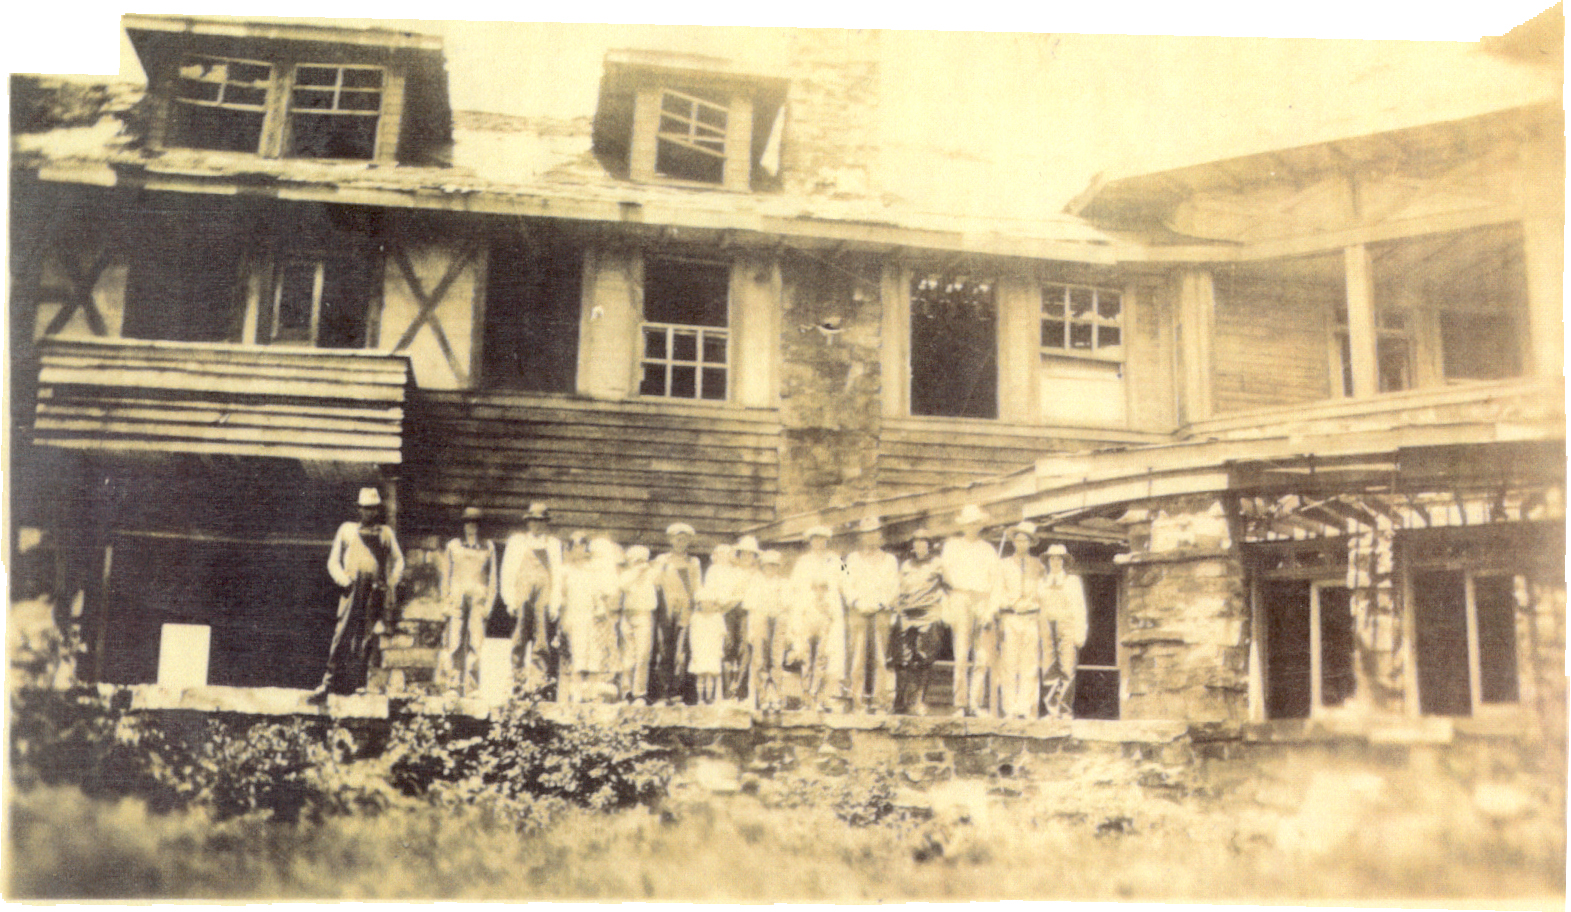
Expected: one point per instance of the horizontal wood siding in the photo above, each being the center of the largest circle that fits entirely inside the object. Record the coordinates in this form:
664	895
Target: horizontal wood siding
915	454
220	399
626	469
1273	345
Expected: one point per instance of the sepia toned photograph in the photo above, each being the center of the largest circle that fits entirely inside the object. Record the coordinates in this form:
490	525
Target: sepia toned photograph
522	461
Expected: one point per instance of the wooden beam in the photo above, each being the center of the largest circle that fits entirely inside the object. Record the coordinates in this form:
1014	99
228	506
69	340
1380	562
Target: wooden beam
1361	320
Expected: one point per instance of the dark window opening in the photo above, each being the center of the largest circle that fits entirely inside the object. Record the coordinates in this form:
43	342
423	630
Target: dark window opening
954	347
1289	609
333	112
189	293
686	292
532	312
1477	346
321	301
1495	606
1096	677
1440	615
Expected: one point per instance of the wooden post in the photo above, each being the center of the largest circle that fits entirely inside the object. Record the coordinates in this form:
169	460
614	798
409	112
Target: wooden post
1197	323
1019	344
1361	320
1545	252
896	332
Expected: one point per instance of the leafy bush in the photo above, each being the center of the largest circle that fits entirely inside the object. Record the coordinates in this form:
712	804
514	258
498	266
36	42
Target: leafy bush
523	759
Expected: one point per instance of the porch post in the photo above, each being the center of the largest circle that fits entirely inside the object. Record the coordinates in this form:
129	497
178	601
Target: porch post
1361	320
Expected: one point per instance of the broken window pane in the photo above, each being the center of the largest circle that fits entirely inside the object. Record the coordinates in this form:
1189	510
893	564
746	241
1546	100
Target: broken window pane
653	383
219	104
1109	304
333	112
1053	333
954	347
690	143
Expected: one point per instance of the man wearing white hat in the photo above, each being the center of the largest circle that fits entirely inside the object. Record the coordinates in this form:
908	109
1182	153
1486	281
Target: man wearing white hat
872	584
679	574
817	624
764	604
640	600
1064	626
531	585
745	555
468	586
1019	634
970	567
366	562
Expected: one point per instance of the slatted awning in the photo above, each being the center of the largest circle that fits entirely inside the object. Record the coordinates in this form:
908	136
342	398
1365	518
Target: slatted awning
177	397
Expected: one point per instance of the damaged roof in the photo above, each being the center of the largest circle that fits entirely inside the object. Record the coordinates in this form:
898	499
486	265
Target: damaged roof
953	156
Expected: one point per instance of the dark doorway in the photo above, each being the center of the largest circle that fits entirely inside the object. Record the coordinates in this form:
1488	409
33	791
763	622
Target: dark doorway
1440	614
1096	679
532	308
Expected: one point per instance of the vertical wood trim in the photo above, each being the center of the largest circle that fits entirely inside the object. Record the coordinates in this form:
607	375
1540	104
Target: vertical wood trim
755	338
895	365
101	637
1475	684
646	123
1545	255
738	171
608	323
1018	358
1197	316
1257	686
582	380
481	262
1361	320
1409	646
389	124
1316	654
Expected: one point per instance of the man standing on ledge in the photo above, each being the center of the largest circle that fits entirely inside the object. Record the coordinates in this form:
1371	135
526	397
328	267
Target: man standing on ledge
531	587
366	562
970	567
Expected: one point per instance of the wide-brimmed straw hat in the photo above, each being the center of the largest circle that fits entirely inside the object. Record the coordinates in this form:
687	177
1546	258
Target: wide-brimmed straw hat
370	497
1024	527
679	528
746	543
1057	550
538	510
971	515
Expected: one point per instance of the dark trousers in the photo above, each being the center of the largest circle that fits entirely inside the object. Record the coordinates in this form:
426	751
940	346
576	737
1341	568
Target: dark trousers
349	658
668	677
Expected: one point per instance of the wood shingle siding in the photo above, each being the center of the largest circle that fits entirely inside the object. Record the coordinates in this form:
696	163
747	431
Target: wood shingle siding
628	469
919	453
220	399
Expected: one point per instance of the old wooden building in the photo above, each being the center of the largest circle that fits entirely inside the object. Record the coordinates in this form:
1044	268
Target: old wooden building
1297	410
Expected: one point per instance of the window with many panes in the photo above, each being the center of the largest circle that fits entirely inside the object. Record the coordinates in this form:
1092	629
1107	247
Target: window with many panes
685	334
333	111
327	110
1082	320
690	143
320	301
220	103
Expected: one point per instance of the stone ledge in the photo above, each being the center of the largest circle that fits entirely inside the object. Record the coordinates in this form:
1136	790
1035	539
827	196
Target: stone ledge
255	701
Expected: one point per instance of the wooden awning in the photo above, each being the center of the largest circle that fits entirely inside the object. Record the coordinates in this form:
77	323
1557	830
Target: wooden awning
177	397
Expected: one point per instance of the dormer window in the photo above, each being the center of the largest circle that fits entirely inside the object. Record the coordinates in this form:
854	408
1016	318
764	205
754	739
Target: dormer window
295	91
683	119
221	104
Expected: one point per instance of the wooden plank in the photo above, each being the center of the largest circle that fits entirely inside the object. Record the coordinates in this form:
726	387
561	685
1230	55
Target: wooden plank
456	430
372	372
422	459
98	397
756	492
106	372
231	352
277	451
628	448
609	510
892	462
236	417
175	380
1002	435
556	411
48	426
465	473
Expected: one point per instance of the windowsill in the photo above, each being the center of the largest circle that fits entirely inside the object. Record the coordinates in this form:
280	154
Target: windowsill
1082	355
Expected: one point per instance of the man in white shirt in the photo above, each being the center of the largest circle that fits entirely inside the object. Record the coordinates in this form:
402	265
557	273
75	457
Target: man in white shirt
678	575
872	584
1064	627
531	586
818	619
1019	632
970	568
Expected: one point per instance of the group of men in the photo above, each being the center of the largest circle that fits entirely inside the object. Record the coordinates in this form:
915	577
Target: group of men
861	630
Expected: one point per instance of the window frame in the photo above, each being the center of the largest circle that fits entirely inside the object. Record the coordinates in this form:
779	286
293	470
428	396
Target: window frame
179	104
268	335
726	332
290	111
1095	321
1342	346
279	109
1470	571
912	281
688	138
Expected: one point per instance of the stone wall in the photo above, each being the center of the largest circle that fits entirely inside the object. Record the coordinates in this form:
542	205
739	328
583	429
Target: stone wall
832	113
830	385
1184	632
